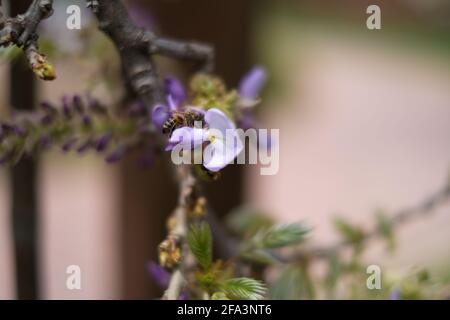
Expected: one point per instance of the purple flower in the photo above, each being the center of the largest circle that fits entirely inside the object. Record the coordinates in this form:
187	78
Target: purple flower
159	274
78	104
116	155
87	121
67	146
160	114
67	110
396	294
175	90
48	107
183	296
84	147
45	141
252	83
224	142
95	106
102	142
176	96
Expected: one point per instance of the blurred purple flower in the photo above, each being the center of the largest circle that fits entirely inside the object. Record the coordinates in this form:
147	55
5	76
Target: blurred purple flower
176	96
66	108
47	107
175	90
252	83
21	132
116	155
183	296
44	141
159	274
396	294
84	147
224	142
67	146
95	106
78	104
87	120
102	142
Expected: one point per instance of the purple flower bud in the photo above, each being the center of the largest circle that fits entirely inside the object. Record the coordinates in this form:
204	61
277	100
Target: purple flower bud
47	107
87	121
21	132
175	90
78	104
159	274
84	147
160	114
396	294
95	106
102	142
44	142
67	146
252	83
116	155
6	128
67	110
47	119
183	296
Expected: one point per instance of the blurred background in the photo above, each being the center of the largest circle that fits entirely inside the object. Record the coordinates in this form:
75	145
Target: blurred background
364	119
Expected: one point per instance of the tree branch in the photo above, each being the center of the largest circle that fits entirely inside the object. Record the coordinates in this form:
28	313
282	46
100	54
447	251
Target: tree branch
21	31
424	208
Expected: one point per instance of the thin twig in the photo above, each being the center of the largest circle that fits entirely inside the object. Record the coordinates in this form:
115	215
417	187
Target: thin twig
424	208
187	184
21	31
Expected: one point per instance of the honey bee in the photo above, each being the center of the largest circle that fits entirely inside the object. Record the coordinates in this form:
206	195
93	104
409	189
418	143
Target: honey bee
181	119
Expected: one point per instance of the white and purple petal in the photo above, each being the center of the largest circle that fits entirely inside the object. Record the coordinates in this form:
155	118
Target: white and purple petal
187	137
252	83
160	114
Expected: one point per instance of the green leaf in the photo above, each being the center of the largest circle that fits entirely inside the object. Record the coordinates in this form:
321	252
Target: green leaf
386	230
294	283
244	289
248	221
282	235
351	233
332	275
199	240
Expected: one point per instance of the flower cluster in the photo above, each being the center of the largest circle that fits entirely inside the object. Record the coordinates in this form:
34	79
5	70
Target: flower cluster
207	115
76	125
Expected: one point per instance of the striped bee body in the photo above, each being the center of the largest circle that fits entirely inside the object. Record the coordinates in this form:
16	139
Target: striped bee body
181	119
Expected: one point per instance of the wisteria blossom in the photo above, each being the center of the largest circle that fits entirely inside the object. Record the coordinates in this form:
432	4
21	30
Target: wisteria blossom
223	142
176	96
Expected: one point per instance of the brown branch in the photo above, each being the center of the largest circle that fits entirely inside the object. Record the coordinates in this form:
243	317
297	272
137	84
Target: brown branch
21	31
137	48
178	232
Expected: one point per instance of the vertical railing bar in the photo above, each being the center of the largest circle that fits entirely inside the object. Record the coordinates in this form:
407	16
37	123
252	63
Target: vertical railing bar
23	183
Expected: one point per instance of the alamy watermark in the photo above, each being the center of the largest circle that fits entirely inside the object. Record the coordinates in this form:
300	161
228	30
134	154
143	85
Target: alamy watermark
217	148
